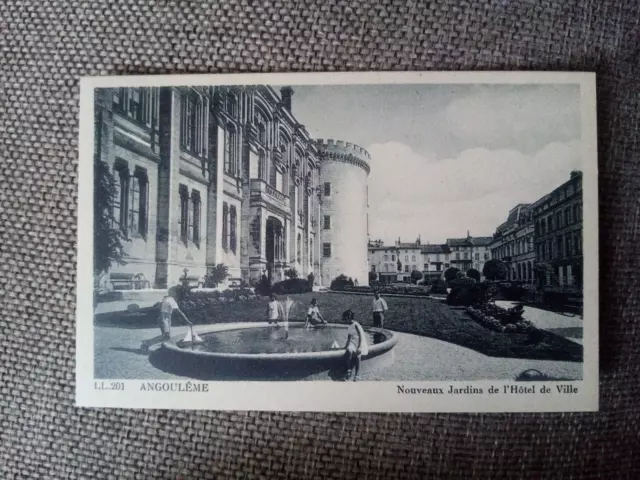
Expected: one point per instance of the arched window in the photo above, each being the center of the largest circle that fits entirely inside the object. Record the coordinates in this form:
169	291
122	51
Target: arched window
233	224
262	161
225	226
121	196
184	214
231	165
193	123
232	105
195	223
138	200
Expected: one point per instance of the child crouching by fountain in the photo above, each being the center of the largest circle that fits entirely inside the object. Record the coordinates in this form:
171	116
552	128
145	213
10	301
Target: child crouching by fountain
356	345
167	307
313	315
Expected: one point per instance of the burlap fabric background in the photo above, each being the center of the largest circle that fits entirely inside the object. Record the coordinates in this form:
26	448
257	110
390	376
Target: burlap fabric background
45	45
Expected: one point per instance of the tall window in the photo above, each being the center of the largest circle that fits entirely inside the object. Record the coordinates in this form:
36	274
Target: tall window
457	256
385	258
193	123
299	248
477	256
195	205
225	226
559	247
327	189
426	266
326	250
233	225
121	199
138	202
568	245
406	268
232	105
327	222
578	242
393	258
466	255
559	219
413	258
133	102
406	258
231	165
184	213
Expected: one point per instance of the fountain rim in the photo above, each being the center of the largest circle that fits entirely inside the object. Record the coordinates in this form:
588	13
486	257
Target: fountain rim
374	350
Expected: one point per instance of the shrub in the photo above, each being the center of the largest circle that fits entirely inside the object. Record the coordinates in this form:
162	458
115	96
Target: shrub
416	275
473	273
216	275
291	286
494	270
439	287
451	274
512	291
291	273
264	286
340	282
465	291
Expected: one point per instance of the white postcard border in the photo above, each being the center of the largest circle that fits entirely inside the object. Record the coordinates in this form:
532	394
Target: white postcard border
326	396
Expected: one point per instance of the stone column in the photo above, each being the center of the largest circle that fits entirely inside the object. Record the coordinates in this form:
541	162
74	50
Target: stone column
169	148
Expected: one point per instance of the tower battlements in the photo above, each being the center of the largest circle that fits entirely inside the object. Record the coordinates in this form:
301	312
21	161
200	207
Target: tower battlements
331	145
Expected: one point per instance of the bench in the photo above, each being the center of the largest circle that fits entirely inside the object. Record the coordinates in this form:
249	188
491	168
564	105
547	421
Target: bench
128	281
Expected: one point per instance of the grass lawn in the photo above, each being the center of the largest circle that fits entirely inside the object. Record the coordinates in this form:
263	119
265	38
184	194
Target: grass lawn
418	316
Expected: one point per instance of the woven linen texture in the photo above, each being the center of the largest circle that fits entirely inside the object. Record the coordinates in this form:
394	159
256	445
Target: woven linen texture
46	45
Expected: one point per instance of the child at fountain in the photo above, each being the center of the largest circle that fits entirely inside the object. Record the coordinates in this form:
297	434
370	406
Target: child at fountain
273	310
379	306
356	345
167	307
314	318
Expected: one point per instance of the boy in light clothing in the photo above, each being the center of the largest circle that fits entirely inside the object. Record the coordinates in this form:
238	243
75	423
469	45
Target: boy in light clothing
167	307
273	310
379	306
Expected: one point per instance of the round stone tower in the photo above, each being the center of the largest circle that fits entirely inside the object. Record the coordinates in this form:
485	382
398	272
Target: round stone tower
343	222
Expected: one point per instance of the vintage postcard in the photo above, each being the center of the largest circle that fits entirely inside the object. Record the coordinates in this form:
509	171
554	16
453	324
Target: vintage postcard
375	242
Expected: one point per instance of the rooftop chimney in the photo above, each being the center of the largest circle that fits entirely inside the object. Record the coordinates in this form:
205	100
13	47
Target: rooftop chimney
286	93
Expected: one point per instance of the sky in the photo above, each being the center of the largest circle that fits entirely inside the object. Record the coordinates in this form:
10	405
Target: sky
449	158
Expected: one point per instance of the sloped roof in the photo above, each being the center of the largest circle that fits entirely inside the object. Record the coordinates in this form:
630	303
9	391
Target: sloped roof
436	248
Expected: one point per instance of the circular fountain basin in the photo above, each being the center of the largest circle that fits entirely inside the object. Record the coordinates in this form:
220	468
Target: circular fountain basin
267	352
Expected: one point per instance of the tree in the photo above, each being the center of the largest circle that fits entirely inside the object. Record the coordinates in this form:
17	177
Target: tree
495	270
373	276
415	276
217	274
473	273
291	273
451	274
108	238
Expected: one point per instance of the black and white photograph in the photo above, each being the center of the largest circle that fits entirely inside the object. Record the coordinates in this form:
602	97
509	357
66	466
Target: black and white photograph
427	236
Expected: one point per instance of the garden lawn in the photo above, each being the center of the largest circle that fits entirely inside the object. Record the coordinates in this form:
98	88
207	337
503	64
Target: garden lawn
426	317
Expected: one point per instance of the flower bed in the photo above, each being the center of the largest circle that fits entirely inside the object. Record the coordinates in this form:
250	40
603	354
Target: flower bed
501	319
197	301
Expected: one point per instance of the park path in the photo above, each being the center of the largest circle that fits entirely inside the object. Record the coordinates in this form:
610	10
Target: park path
568	327
416	358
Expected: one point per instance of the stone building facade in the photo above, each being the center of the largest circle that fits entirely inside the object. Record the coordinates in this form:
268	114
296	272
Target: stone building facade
557	220
469	252
436	259
513	243
209	175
